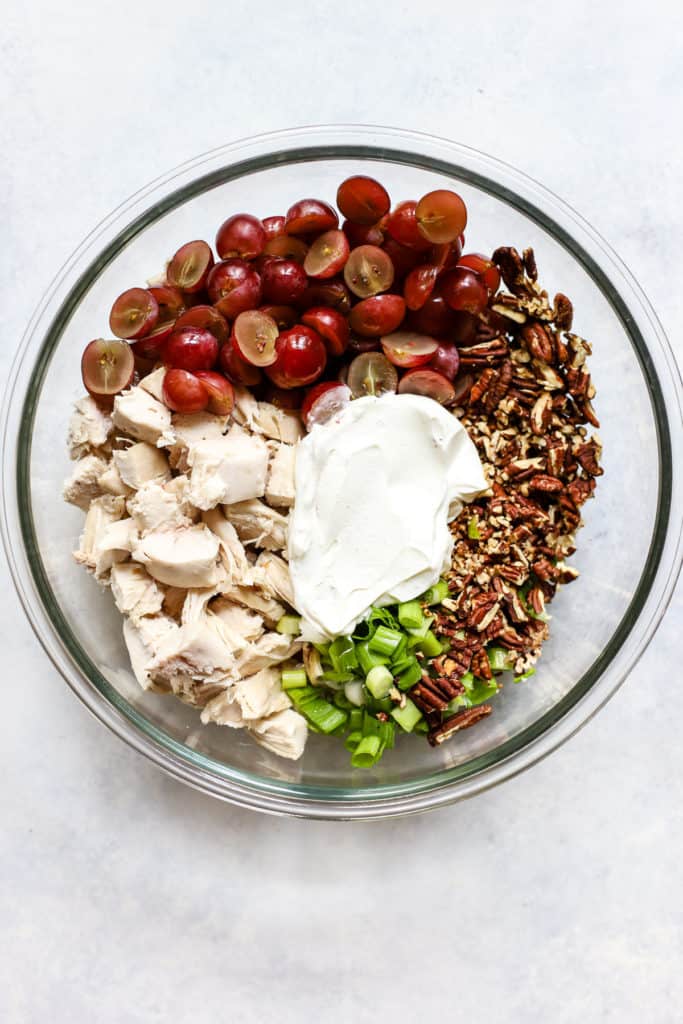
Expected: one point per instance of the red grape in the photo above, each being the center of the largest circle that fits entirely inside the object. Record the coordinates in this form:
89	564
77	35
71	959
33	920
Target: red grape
403	227
286	247
428	383
441	216
254	335
446	359
326	293
190	348
209	319
171	303
134	313
362	234
184	392
323	402
419	285
486	269
327	255
464	328
464	290
273	226
368	271
240	235
358	345
301	358
447	255
371	374
378	315
331	325
283	398
435	318
362	200
407	349
284	316
107	367
237	369
462	387
284	281
220	391
190	266
234	286
310	215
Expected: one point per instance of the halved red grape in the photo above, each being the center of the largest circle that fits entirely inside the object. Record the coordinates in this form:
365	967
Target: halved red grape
446	359
402	225
368	271
441	215
435	318
378	315
172	304
310	215
240	235
403	258
286	247
419	285
183	392
462	387
486	269
134	313
238	370
208	318
254	334
407	349
371	374
284	281
284	398
362	200
358	345
234	286
464	328
323	402
284	316
301	358
107	367
191	348
464	290
447	255
190	266
273	226
327	255
220	391
428	383
326	293
362	234
331	325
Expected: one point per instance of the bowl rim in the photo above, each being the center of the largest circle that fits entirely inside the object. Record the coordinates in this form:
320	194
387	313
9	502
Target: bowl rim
445	785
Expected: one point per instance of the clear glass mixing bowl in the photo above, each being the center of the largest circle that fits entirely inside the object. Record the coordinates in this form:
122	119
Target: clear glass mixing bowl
629	551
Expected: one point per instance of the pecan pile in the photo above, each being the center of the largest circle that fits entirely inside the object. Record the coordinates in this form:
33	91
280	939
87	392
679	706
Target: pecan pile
525	403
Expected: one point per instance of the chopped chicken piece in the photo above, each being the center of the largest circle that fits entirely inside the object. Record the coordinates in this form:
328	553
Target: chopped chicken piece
142	639
227	470
223	710
102	512
260	695
247	624
280	482
258	524
270	649
174	599
275	575
89	428
153	383
279	424
134	591
187	430
232	550
111	483
199	652
155	506
113	544
140	463
284	733
84	483
245	409
140	415
271	610
184	557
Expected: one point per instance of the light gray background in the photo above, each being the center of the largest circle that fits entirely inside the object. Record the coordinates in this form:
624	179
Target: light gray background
127	898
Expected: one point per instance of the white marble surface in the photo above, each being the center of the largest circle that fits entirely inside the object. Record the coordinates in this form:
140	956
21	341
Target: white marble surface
125	897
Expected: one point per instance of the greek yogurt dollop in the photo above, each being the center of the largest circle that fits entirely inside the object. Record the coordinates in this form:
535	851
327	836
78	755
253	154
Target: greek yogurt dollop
376	487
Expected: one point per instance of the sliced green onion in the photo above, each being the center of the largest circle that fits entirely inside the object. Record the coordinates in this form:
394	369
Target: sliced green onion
480	690
385	640
379	681
353	692
385	704
410	676
367	752
421	727
293	678
371	726
457	703
387	734
340	700
473	528
435	594
323	650
356	719
330	676
408	716
322	715
367	659
430	645
352	740
290	625
343	654
400	652
410	614
500	659
526	675
421	630
403	663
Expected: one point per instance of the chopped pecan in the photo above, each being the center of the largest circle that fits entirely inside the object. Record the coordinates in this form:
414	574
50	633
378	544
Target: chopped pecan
588	454
461	720
511	266
581	490
498	387
541	414
530	264
563	312
483	353
544	569
546	484
537	341
480	664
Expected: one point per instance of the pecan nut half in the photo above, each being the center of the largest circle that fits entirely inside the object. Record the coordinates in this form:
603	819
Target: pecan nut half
461	720
538	342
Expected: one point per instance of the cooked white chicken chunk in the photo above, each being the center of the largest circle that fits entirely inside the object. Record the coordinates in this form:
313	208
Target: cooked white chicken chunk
135	592
258	601
89	428
245	409
110	481
140	415
256	523
240	620
154	506
102	513
232	550
275	576
153	383
140	463
268	650
84	483
284	733
184	557
223	710
114	544
260	695
200	651
280	482
142	640
279	424
230	469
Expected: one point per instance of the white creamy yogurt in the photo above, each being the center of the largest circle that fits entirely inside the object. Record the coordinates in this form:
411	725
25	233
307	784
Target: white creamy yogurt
375	490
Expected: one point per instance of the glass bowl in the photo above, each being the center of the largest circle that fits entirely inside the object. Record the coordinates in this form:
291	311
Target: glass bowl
629	551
